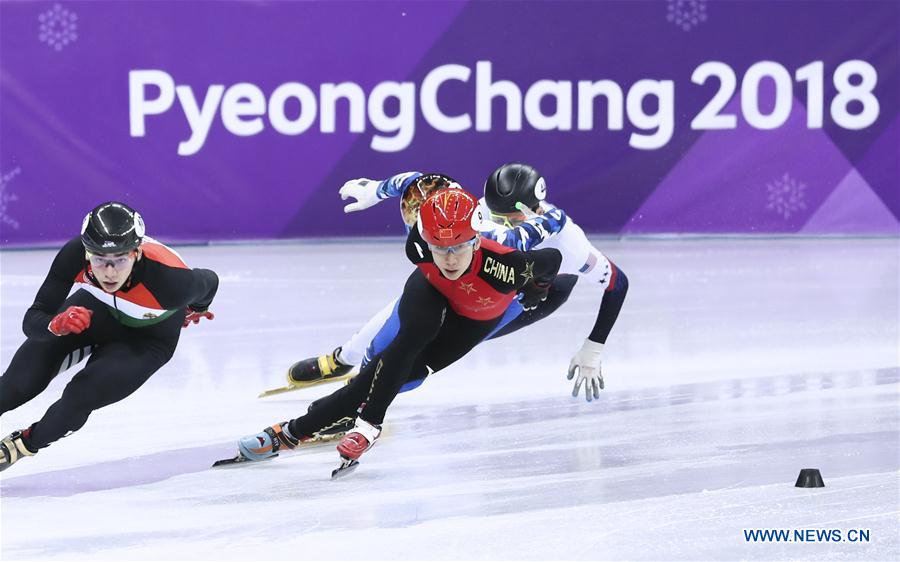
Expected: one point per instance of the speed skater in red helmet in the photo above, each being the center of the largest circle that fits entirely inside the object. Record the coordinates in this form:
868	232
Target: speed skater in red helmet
458	294
516	214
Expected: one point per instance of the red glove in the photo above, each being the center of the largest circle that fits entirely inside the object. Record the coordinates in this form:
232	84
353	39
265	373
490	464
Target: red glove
194	316
72	320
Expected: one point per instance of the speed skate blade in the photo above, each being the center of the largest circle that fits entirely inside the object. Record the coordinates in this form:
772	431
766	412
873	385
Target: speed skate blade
347	466
305	384
238	459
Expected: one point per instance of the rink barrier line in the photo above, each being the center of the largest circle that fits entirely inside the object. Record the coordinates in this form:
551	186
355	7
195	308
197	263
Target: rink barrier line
398	239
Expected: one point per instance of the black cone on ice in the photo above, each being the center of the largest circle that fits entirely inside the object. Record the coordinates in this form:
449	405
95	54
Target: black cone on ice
810	478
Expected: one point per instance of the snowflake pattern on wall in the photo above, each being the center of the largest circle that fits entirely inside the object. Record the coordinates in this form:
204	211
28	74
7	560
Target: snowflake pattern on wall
686	13
6	198
59	27
787	196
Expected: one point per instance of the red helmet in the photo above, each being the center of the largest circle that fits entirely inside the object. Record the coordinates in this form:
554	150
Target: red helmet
449	217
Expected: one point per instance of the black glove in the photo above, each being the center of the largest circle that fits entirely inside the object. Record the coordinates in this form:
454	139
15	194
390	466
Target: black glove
533	293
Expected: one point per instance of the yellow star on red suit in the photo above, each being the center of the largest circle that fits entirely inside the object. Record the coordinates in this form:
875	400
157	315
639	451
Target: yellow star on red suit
469	288
485	301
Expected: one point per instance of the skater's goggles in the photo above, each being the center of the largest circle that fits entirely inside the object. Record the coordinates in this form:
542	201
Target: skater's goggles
509	220
444	250
118	261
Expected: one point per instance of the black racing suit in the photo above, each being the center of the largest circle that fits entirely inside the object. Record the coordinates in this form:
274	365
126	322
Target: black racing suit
133	332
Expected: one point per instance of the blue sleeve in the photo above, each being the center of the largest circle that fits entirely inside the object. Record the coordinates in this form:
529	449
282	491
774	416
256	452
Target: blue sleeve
394	186
531	232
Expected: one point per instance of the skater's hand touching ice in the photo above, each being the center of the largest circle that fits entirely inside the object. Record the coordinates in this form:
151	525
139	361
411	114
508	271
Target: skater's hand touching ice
585	366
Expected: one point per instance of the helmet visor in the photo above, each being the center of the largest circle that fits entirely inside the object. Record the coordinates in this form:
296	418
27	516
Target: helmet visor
444	250
117	261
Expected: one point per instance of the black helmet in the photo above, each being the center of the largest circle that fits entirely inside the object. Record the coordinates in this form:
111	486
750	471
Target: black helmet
514	183
112	228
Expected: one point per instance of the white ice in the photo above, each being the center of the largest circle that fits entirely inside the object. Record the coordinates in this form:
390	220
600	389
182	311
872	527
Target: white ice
735	363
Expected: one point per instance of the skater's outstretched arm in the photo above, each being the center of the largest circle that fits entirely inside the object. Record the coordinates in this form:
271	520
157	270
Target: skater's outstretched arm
368	193
585	365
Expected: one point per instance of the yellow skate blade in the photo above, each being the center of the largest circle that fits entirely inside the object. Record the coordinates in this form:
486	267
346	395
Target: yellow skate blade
306	384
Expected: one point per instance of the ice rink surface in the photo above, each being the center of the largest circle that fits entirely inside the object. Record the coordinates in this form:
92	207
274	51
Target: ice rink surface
734	364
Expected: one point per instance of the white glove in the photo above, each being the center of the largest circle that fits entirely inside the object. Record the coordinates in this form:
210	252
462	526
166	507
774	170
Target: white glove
364	190
586	364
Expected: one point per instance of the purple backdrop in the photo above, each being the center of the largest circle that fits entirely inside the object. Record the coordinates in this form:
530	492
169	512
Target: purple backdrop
95	99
